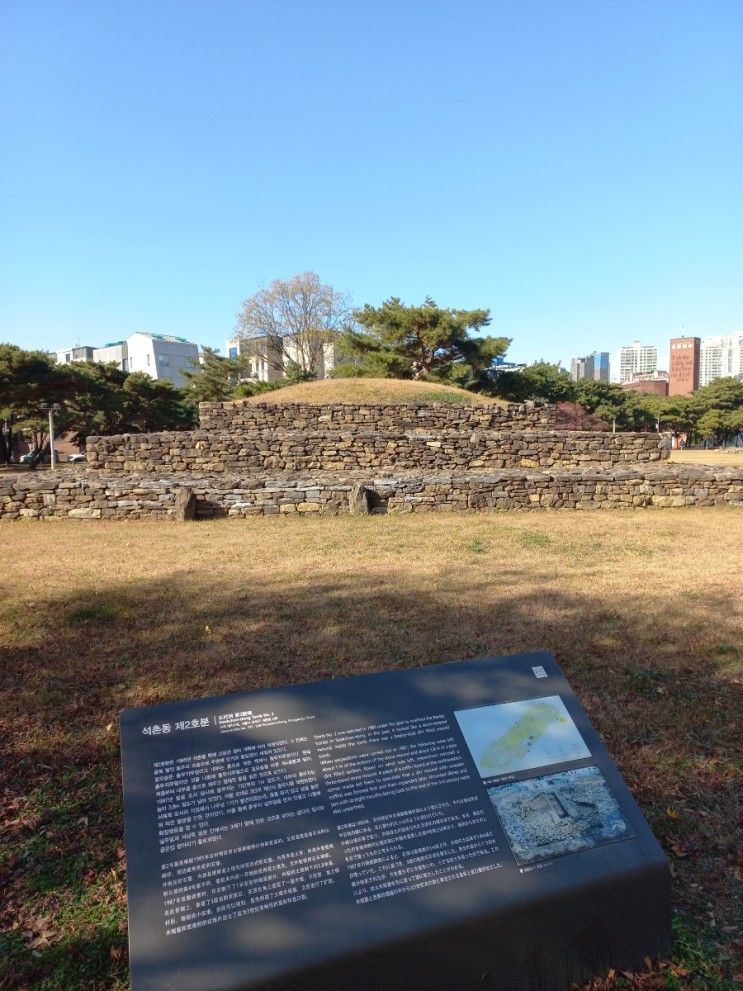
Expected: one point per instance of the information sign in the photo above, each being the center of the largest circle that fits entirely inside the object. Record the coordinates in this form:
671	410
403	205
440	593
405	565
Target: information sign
447	827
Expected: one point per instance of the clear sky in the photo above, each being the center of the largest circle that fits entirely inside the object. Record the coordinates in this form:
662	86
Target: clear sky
574	165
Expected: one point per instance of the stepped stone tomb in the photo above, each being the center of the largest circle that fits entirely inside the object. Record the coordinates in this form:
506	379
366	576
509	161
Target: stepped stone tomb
270	459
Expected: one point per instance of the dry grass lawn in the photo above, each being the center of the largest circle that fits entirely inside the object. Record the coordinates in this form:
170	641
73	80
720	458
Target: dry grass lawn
642	609
730	456
369	390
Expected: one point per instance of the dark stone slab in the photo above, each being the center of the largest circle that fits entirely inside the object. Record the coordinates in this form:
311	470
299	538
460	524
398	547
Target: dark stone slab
458	826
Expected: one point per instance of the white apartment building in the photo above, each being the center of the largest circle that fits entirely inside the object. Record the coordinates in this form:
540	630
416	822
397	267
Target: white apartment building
636	359
161	356
720	357
267	358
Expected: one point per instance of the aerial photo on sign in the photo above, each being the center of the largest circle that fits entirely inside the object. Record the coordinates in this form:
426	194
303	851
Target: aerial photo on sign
558	813
517	736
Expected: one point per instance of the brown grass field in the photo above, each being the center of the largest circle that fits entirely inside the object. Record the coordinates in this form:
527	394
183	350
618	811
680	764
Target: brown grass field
642	609
719	456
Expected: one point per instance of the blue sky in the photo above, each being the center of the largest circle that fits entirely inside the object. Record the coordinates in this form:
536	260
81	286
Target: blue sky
574	165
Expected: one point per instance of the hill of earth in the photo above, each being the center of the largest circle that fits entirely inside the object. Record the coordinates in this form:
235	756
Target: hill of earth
369	390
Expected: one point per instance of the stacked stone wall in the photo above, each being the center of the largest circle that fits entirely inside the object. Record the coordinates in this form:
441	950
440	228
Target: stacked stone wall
276	460
350	450
99	495
244	417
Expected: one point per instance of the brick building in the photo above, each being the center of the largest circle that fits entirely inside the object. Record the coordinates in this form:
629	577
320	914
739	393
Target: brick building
685	363
655	383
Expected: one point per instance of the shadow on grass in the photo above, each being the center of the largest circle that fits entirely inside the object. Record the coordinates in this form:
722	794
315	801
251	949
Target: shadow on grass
655	678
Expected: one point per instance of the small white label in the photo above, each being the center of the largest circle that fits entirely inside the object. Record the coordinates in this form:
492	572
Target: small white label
539	671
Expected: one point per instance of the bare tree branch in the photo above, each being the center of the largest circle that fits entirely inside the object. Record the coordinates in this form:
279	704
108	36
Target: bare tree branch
292	321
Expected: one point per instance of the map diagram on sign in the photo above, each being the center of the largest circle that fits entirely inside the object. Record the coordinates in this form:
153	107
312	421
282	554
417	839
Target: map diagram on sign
517	736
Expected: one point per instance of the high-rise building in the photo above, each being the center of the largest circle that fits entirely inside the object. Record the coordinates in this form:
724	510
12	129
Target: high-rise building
593	366
720	357
684	374
637	359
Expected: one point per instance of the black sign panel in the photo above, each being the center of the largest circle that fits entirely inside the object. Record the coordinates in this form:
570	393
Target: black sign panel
452	826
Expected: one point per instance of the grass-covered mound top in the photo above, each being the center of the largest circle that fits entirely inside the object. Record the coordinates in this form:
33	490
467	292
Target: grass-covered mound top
370	390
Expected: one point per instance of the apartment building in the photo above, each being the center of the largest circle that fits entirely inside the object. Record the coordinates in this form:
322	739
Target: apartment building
637	359
720	357
161	356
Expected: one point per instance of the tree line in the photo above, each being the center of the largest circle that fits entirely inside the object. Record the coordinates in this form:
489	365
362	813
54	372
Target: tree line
714	412
92	399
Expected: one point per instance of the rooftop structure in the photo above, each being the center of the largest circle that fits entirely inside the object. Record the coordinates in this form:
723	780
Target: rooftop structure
67	355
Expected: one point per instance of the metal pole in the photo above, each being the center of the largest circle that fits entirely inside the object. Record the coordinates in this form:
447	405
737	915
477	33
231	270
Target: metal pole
51	437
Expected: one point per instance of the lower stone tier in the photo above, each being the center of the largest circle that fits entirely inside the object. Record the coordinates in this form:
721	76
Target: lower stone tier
98	495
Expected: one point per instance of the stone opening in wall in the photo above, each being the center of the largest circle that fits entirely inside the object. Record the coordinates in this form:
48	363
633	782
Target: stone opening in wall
377	503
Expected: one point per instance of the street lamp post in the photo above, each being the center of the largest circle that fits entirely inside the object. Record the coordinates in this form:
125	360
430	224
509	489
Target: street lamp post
51	408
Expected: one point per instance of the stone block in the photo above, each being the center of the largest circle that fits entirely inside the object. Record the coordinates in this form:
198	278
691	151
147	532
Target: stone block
184	504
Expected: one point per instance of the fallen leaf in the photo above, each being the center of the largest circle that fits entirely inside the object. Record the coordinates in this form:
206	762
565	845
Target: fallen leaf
681	849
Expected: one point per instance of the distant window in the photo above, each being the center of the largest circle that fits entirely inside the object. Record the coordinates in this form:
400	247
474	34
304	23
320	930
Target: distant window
67	357
233	352
163	359
148	361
